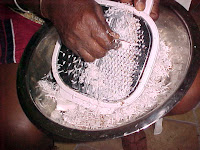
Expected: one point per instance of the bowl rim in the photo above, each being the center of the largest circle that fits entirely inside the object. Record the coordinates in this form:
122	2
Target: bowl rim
56	130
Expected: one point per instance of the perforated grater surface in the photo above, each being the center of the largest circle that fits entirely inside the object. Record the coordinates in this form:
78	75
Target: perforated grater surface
116	78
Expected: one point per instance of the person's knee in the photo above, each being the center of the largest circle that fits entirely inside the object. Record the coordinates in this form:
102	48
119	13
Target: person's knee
17	132
20	133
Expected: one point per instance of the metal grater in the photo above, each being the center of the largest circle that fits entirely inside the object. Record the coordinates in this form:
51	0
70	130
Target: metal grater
119	77
125	64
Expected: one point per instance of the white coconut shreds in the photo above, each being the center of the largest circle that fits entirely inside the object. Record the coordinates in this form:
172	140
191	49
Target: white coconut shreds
86	119
116	70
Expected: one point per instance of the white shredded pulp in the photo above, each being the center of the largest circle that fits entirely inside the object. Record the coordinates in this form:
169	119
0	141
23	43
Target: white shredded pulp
76	116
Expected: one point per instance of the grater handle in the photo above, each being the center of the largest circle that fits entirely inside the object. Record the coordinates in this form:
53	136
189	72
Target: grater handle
148	7
147	10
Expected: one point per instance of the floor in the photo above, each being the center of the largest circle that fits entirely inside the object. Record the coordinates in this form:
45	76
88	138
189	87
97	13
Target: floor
181	132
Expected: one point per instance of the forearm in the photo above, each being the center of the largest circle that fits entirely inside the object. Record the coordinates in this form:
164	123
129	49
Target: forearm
30	5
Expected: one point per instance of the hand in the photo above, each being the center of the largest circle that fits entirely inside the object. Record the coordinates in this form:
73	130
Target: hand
140	5
81	26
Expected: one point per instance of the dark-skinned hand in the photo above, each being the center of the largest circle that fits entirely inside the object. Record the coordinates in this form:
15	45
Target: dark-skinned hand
82	26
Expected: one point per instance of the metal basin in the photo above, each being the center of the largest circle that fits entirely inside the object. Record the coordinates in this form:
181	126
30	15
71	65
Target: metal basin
176	28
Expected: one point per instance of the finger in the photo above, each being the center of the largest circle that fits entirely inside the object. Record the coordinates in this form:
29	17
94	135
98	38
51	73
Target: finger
103	20
104	38
76	52
155	10
140	4
87	44
127	1
71	44
94	49
100	34
85	55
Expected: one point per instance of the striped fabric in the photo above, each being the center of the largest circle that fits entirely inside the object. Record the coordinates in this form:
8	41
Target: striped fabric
15	33
7	41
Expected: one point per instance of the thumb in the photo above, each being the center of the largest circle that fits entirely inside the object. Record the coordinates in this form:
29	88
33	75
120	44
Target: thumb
139	4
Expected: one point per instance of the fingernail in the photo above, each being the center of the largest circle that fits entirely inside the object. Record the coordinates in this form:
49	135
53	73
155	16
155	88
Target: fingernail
115	35
116	44
140	6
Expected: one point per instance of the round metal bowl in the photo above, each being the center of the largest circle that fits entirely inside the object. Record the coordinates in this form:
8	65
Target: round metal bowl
175	26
